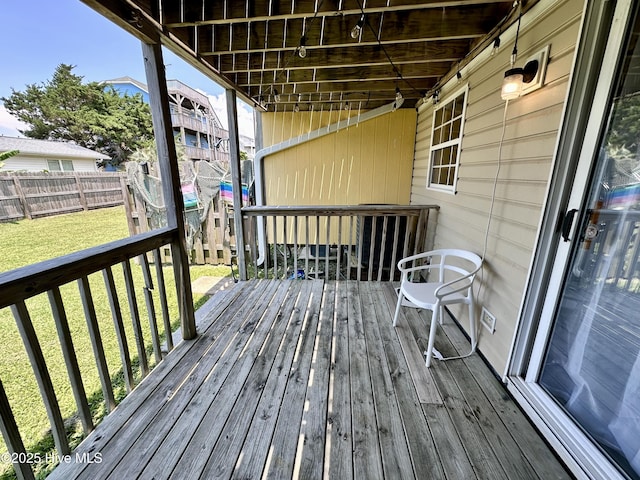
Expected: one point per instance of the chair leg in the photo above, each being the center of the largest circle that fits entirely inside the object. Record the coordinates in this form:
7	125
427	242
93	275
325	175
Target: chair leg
398	305
432	335
473	329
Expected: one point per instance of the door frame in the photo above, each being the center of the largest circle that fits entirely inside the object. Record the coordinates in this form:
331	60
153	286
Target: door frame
602	34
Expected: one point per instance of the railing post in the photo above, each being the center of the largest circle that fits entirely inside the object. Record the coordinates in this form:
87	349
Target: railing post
168	161
236	184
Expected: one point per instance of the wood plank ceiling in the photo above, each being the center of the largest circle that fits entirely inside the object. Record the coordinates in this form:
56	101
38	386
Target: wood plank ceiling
289	55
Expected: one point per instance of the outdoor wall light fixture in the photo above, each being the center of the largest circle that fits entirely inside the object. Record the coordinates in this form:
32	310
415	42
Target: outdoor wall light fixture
520	81
514	78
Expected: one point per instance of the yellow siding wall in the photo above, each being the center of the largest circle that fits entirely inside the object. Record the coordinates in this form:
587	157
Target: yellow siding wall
528	150
366	162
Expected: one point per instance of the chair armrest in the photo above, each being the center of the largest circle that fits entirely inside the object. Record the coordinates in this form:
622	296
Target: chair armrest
469	276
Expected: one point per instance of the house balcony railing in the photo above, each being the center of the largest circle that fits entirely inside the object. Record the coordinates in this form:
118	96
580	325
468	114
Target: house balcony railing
199	153
187	121
359	242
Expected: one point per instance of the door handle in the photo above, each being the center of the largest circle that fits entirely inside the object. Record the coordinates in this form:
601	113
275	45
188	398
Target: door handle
567	222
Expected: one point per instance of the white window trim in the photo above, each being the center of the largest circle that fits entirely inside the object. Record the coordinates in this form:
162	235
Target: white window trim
446	188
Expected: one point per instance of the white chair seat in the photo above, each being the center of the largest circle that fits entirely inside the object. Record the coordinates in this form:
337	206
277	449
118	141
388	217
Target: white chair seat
455	271
423	295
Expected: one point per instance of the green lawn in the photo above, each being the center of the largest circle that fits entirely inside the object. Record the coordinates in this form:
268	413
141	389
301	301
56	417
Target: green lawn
30	241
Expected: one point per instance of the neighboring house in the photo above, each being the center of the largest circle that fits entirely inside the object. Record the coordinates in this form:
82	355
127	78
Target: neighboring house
194	121
44	155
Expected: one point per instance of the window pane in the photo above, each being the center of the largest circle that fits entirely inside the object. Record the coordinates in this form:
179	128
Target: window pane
54	165
446	113
446	133
451	176
455	128
437	136
67	165
438	120
459	104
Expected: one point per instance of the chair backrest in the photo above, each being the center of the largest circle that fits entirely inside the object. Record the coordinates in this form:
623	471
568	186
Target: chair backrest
459	261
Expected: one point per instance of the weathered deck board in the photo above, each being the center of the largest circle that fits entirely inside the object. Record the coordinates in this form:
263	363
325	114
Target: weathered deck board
307	379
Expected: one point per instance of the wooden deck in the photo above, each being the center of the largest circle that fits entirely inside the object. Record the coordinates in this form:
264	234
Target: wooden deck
308	379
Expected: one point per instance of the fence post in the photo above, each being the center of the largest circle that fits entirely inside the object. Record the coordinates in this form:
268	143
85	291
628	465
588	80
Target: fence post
83	198
23	199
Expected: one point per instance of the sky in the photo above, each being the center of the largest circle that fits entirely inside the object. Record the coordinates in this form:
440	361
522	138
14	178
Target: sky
38	35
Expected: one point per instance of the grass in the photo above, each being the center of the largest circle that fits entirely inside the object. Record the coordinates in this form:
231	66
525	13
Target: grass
31	241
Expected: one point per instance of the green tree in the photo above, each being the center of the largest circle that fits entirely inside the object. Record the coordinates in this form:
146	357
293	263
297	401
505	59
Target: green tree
92	115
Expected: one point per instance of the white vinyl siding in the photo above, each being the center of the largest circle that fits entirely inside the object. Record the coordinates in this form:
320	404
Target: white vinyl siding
446	135
527	154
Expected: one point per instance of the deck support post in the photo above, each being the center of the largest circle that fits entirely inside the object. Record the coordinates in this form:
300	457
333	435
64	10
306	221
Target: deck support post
236	184
168	161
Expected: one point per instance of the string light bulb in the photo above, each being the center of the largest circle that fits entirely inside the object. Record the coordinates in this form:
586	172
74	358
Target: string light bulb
302	51
496	46
355	31
398	94
276	96
296	108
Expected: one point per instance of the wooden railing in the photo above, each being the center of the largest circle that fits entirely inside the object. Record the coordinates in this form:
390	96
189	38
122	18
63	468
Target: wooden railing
48	277
360	242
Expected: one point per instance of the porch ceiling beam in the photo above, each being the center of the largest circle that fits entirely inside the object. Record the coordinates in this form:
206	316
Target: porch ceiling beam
398	44
178	14
468	22
339	57
349	74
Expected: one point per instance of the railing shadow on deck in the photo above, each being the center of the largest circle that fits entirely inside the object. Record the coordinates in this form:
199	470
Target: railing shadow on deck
123	291
358	242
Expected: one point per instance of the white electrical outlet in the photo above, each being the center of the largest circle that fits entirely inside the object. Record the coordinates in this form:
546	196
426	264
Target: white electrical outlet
488	320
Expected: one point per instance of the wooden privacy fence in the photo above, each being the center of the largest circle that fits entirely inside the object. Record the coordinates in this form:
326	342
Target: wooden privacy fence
37	194
213	243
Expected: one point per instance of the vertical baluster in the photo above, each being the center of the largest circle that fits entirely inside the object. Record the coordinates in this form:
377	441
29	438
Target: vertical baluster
350	247
338	265
383	247
11	437
295	247
396	238
96	343
326	246
275	246
151	309
360	243
317	253
70	359
253	221
162	294
419	245
307	246
135	317
34	352
284	245
116	314
372	245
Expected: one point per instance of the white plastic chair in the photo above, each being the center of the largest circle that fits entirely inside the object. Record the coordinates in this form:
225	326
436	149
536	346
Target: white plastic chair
456	270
